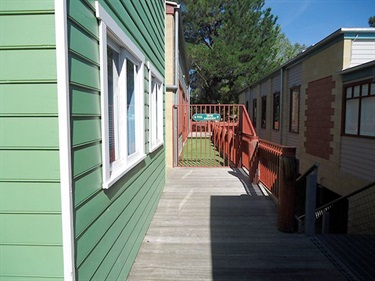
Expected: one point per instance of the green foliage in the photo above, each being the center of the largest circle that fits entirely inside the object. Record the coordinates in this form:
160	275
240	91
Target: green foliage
286	50
371	21
231	43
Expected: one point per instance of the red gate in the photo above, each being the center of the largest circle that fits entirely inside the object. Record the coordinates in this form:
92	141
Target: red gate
211	135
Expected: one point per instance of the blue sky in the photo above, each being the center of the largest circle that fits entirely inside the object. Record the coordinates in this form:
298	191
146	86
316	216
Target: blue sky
309	21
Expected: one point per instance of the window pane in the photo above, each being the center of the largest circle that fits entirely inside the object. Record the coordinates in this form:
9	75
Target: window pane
368	117
264	112
349	92
356	91
113	72
254	113
294	111
276	110
372	89
156	110
364	90
351	117
130	81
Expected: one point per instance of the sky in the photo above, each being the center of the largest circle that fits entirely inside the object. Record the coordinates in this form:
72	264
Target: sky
310	21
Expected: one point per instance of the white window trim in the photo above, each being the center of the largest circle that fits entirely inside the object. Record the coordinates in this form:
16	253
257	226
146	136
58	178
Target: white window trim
109	28
155	140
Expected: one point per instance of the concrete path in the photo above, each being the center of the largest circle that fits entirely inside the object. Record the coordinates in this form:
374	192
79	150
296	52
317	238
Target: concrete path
210	225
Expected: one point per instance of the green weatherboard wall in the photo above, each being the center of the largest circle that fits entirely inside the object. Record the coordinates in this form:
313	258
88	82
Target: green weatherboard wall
109	224
30	212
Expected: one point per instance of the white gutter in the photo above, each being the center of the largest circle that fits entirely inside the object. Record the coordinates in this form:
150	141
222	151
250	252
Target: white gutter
64	139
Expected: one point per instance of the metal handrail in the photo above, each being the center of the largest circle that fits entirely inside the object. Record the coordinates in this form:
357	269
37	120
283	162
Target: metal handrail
301	191
320	210
304	175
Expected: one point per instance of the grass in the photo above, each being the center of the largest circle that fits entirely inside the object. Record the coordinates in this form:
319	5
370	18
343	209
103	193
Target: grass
200	152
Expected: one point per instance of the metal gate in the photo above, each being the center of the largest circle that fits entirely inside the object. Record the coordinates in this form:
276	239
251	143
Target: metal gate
209	135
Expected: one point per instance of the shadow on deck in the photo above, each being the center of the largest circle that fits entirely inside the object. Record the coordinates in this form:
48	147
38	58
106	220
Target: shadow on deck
210	225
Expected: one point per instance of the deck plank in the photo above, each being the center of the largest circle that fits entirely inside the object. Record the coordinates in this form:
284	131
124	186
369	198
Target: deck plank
208	226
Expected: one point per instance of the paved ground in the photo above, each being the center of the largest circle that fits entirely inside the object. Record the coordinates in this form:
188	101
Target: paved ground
210	226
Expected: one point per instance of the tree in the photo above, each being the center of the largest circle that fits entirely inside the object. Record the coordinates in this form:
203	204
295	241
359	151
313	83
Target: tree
371	21
287	51
231	43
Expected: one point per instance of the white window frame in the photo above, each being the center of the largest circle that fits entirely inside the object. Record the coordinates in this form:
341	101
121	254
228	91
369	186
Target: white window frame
111	34
156	128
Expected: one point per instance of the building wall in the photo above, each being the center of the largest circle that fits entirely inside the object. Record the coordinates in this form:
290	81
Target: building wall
110	224
357	154
357	157
318	115
362	51
169	80
30	208
322	113
180	95
317	74
292	78
242	98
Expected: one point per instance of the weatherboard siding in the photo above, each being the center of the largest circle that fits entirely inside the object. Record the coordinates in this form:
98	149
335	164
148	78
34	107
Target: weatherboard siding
276	83
110	224
358	157
294	75
362	51
30	213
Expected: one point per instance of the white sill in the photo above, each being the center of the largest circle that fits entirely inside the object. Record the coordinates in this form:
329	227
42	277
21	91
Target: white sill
156	146
122	170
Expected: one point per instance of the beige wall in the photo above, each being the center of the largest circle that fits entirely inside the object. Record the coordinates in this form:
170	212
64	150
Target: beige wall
325	63
182	83
169	80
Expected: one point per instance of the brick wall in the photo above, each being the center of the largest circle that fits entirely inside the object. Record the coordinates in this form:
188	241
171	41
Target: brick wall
318	117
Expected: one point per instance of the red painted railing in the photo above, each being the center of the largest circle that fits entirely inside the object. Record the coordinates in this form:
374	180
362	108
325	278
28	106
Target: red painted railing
270	157
236	139
228	129
226	126
271	164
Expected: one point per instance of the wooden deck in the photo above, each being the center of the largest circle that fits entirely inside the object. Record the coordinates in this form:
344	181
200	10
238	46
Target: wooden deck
210	226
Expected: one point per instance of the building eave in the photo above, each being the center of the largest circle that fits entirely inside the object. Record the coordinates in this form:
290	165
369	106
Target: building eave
358	67
342	33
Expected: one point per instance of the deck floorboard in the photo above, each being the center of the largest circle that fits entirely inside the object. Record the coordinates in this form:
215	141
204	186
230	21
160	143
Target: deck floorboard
209	226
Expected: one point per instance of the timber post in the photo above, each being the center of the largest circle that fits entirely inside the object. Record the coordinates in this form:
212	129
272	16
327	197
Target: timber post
287	189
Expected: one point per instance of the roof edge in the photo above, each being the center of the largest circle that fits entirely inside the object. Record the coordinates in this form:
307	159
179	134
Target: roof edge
357	67
311	49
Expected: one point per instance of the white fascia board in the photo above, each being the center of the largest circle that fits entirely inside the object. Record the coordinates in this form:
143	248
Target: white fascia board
64	139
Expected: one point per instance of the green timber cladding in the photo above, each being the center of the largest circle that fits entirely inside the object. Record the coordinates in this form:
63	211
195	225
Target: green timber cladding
108	225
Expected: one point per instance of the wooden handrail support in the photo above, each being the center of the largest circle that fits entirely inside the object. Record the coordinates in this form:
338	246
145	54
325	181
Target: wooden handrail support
278	173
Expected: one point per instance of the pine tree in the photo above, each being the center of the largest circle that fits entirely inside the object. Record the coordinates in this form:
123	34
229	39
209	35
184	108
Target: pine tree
231	43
